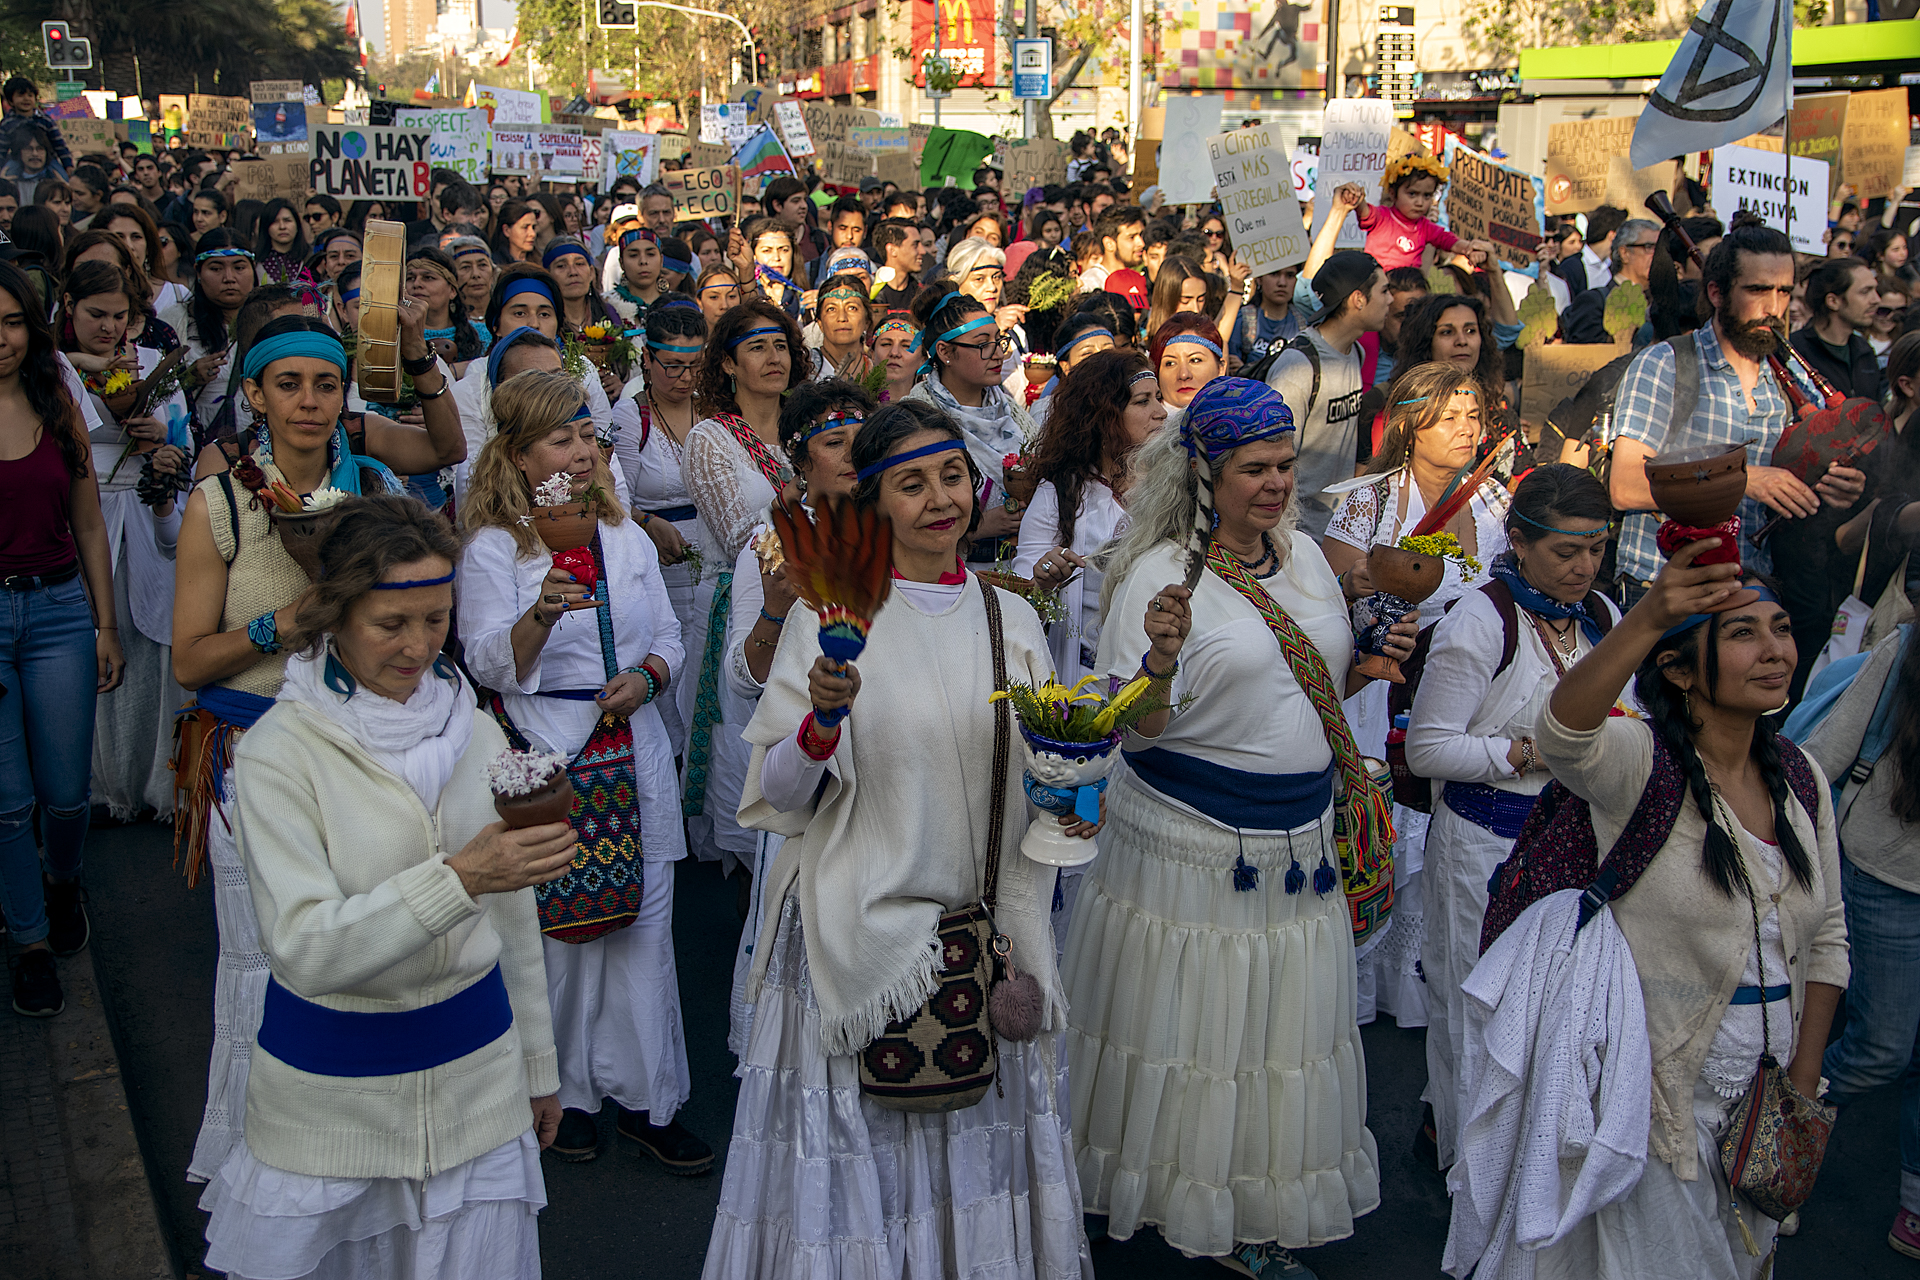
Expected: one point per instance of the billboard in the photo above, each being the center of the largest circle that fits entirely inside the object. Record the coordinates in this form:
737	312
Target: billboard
1239	44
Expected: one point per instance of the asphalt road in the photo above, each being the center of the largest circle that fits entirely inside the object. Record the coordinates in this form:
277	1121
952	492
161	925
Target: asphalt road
622	1215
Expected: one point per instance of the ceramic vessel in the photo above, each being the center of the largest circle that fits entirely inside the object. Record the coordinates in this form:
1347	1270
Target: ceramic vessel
565	527
1064	778
1021	483
1401	580
551	803
1700	487
301	533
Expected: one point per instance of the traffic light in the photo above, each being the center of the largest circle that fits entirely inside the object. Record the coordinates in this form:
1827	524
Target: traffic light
65	51
617	15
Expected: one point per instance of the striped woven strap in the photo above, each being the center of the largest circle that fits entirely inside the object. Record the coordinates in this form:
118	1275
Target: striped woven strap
1363	822
763	458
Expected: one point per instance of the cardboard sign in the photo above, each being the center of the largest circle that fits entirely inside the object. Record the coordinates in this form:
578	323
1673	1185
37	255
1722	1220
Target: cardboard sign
1254	178
1186	175
459	138
1353	148
951	157
1556	370
89	134
1874	143
213	121
1580	154
276	91
793	127
1036	162
363	162
554	154
283	176
624	154
1488	201
1744	178
703	193
831	129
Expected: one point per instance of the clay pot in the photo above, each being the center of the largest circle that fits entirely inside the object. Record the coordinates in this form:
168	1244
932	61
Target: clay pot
301	533
565	527
596	352
1407	574
1021	483
551	803
1699	487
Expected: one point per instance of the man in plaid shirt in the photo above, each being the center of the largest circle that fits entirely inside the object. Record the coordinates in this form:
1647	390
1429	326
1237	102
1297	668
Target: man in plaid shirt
1749	281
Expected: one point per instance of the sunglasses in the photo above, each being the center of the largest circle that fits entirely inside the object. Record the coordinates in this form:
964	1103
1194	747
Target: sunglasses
1890	313
314	217
1213	233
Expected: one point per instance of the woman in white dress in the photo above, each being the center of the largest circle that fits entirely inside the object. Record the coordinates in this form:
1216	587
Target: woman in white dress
818	421
400	971
886	816
558	670
733	470
650	441
1493	661
223	277
1432	433
1216	1059
133	726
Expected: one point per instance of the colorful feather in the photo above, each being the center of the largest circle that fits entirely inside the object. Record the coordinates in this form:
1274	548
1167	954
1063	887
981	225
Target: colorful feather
1449	507
841	563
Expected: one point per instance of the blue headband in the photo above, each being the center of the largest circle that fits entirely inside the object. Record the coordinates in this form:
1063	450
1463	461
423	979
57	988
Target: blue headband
417	582
348	295
958	331
1571	533
229	251
500	348
528	284
834	419
1229	412
1695	620
761	331
581	412
638	234
867	473
468	250
1197	340
1078	338
677	350
300	342
682	265
560	249
680	304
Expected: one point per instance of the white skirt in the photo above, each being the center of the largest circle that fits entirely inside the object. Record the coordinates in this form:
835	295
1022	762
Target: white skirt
822	1184
239	994
475	1221
692	617
1217	1067
714	833
616	1012
1390	975
739	1008
1666	1229
1461	856
133	725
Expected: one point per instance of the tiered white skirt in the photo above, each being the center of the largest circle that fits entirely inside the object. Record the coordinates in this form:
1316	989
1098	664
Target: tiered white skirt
239	995
821	1184
1217	1068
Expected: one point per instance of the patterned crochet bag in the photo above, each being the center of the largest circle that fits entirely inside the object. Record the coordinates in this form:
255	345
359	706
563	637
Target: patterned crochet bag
602	891
942	1056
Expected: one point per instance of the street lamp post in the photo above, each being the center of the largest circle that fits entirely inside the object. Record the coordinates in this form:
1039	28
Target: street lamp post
753	52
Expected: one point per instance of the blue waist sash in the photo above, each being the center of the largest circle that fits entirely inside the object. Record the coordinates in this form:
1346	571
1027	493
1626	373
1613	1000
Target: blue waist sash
570	695
1235	797
236	708
1501	812
673	515
337	1042
1761	995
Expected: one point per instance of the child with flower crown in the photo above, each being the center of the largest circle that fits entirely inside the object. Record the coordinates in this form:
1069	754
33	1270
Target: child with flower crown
1399	230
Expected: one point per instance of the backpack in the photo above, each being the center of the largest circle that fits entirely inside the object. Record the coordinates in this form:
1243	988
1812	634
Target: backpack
1260	368
1824	692
1578	416
1557	849
1409	788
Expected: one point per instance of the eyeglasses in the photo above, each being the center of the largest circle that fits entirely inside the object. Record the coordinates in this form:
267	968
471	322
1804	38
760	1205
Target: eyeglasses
1640	244
1000	346
674	369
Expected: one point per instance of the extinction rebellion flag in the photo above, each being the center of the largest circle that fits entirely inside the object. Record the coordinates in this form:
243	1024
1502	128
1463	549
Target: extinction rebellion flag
1731	77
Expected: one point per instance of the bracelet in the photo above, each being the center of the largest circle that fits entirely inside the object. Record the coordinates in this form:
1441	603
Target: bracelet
653	681
810	741
778	622
416	367
538	620
1155	674
646	518
264	633
445	386
1529	758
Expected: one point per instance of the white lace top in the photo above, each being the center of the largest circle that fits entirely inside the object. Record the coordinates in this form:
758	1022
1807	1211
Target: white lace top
1379	515
725	485
1737	1045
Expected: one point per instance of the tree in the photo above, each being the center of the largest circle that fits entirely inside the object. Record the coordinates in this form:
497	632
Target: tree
1501	28
660	58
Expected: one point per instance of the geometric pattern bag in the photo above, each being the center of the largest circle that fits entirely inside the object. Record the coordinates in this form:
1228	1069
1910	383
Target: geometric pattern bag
602	890
941	1057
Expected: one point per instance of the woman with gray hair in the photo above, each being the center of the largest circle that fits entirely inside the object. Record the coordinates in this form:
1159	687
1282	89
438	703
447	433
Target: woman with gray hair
1209	971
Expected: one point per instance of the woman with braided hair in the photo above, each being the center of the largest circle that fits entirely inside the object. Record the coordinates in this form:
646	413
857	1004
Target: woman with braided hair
1233	1114
1735	926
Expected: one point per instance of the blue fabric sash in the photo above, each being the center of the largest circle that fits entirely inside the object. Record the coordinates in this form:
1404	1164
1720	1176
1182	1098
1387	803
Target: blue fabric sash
236	708
1761	995
336	1042
673	515
1501	812
1235	797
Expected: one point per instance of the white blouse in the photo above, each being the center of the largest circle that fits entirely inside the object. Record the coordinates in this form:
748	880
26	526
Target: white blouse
726	485
1379	515
1100	520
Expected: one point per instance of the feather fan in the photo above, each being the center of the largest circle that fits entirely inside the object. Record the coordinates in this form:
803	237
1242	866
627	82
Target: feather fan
841	563
1449	506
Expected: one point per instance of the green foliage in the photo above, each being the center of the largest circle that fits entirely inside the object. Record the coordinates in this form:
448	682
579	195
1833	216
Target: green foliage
1539	321
1049	291
1441	280
1501	28
1626	309
189	46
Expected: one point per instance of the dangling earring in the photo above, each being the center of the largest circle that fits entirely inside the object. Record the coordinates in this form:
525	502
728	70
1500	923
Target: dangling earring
1686	703
1216	522
336	676
446	670
800	483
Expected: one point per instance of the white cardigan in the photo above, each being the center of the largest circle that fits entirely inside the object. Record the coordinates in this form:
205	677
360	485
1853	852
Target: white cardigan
359	911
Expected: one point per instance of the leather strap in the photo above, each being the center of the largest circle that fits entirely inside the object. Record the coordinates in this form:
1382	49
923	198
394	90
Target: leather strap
1002	742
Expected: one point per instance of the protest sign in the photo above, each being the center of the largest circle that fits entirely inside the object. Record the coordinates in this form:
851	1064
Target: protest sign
1579	158
716	116
508	106
218	122
1353	148
1556	370
793	127
359	162
830	127
1253	176
1037	162
89	134
555	153
1488	201
459	138
708	155
1305	163
276	91
702	193
625	154
283	176
1744	178
1862	137
74	108
951	157
1186	175
280	122
1910	175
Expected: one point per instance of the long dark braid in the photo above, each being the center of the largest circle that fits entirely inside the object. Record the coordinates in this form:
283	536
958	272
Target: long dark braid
1667	711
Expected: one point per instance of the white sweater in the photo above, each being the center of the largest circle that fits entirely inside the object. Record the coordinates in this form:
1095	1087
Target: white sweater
359	911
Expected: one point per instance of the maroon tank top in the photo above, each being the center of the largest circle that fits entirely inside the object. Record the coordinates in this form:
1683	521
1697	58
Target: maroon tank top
36	498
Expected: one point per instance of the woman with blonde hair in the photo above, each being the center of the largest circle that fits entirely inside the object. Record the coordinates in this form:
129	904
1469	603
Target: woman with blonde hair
1179	285
577	667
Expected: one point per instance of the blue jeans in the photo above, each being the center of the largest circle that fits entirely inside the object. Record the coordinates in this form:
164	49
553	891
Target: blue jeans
46	743
1881	1041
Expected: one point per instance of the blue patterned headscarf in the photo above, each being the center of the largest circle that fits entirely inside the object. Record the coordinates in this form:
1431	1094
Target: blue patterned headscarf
1229	412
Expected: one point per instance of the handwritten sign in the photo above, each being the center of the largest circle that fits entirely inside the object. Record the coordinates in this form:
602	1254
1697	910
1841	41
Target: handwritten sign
703	193
225	123
1579	158
1795	202
555	153
276	91
1488	201
458	138
1353	148
507	106
1253	177
625	154
793	127
361	162
89	134
1034	163
1186	177
283	176
831	129
951	156
1557	370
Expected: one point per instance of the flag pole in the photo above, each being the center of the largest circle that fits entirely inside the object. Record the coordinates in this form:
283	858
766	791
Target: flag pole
1786	124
